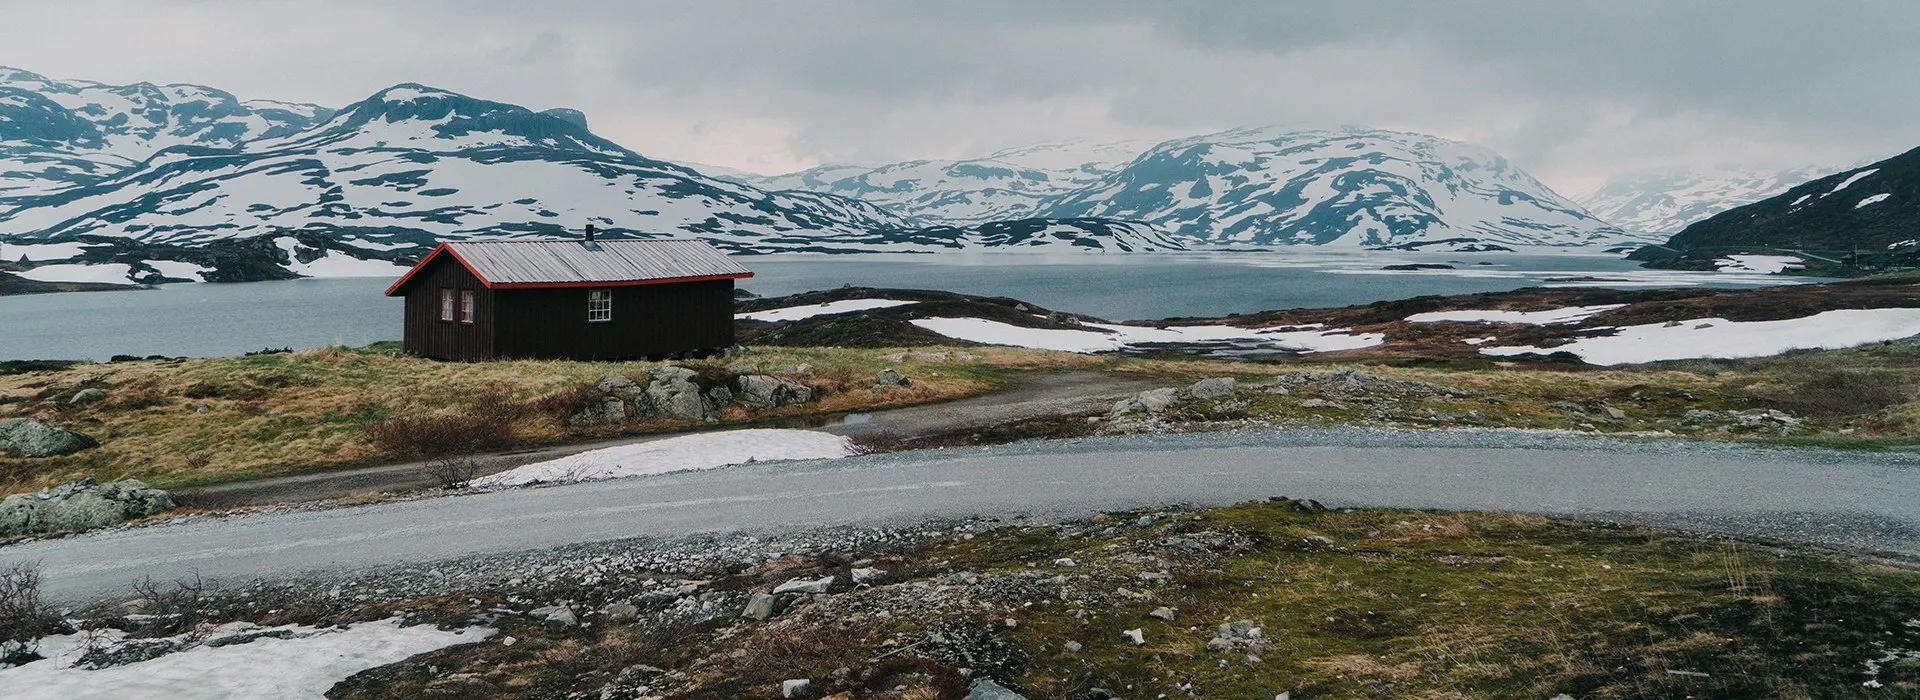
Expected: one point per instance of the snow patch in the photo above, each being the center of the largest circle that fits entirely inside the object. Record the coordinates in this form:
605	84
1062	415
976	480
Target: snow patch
1876	199
795	313
304	666
1720	338
1571	314
113	273
180	270
1856	177
1763	264
683	453
1113	337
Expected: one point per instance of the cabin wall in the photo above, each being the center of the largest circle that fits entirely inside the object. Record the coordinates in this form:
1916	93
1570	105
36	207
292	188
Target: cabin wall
648	320
428	336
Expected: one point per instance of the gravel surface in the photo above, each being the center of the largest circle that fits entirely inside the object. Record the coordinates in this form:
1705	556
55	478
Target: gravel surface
1854	501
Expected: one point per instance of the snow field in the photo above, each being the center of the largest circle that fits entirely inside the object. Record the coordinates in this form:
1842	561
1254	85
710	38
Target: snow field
1571	314
1112	337
795	313
682	453
1720	338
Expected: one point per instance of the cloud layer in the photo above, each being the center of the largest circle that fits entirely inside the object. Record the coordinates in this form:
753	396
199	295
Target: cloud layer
1572	92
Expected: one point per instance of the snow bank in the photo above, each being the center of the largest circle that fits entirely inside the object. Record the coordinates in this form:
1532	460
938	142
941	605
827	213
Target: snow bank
683	453
1876	199
302	667
113	273
1715	337
1764	264
1571	314
1113	337
795	313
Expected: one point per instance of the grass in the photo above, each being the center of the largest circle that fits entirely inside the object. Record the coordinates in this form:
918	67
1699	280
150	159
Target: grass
1368	603
193	421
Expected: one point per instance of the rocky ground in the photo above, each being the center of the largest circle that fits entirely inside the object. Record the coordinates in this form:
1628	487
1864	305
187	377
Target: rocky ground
1248	601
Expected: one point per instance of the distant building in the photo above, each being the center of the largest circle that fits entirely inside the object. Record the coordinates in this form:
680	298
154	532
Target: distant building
575	300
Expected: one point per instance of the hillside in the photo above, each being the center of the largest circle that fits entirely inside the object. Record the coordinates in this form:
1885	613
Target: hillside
1348	188
1665	201
1874	210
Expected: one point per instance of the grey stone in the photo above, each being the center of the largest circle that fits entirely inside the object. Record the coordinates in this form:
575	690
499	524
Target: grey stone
891	377
795	688
1213	388
21	437
1321	403
819	585
620	611
1614	413
558	614
767	391
864	574
87	396
1157	400
1136	635
1162	613
760	606
1219	644
1072	647
673	394
1144	521
986	689
82	505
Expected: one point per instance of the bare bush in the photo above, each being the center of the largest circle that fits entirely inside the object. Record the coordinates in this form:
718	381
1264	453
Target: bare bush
1837	393
453	472
488	423
24	617
172	608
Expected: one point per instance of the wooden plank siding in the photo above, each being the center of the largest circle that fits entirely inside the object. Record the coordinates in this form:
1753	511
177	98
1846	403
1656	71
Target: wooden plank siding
428	336
652	320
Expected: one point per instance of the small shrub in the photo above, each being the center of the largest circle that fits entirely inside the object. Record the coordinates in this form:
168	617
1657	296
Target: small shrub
453	472
1837	393
24	617
174	608
486	424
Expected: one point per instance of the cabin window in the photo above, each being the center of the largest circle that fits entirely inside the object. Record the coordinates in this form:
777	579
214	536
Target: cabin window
446	306
466	306
599	306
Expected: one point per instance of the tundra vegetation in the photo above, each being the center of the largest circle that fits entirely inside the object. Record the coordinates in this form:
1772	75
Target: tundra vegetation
182	422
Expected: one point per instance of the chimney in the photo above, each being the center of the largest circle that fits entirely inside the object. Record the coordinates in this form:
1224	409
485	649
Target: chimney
588	243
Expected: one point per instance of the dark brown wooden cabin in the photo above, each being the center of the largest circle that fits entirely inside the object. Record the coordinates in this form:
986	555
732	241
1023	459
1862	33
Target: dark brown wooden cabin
574	300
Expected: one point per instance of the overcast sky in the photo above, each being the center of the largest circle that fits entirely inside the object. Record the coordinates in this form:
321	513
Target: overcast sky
1572	92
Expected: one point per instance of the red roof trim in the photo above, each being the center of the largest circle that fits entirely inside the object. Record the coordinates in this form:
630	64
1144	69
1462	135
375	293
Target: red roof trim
402	282
417	267
621	283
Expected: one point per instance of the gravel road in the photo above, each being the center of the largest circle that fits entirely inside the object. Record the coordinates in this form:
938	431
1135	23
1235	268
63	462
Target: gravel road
1854	501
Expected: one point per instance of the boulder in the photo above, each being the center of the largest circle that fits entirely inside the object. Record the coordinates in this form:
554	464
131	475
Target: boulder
768	391
557	614
1213	388
673	394
1149	401
891	377
760	606
82	505
795	688
819	585
986	689
87	396
21	437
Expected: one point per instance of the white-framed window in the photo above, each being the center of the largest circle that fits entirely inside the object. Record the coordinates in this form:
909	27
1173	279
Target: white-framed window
599	305
446	305
467	306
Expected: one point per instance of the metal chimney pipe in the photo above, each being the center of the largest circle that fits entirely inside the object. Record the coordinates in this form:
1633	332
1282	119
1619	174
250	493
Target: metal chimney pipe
589	233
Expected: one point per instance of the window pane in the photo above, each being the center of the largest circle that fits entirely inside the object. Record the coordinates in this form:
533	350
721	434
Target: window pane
446	304
466	306
599	305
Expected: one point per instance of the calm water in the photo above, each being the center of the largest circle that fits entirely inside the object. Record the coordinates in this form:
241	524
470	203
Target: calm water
228	319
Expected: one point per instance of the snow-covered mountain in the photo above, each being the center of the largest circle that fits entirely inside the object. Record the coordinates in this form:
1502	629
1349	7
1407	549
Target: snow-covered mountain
59	133
1008	184
1350	188
1666	200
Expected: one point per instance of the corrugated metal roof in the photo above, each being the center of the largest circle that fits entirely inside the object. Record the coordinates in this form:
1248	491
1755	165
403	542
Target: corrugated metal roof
571	262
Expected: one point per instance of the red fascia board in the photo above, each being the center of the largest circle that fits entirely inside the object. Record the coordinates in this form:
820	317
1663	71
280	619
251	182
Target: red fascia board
402	282
620	283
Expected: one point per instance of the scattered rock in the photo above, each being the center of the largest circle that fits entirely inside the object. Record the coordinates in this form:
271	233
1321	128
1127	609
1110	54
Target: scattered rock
760	606
557	614
82	505
1063	561
1072	647
1322	403
819	585
620	611
986	689
1211	388
1136	635
1144	521
1613	413
1162	613
795	688
87	396
1149	401
673	394
22	437
865	574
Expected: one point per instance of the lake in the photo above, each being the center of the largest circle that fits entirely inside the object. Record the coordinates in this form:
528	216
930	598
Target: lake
229	319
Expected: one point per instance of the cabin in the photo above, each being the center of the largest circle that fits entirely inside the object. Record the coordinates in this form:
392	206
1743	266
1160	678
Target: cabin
588	299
